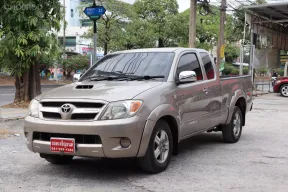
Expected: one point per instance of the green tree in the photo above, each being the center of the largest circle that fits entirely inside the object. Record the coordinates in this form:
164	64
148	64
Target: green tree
231	53
207	28
157	13
26	34
74	63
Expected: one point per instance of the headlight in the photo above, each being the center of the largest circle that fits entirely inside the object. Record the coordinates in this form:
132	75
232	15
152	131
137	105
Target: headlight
34	108
121	110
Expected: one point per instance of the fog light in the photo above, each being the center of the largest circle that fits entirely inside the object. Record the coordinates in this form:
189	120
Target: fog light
125	142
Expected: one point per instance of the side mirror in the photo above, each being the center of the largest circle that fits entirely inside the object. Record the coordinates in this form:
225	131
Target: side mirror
187	77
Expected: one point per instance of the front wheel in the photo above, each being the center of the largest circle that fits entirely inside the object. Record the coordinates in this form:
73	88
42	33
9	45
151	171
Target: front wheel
284	90
232	132
159	151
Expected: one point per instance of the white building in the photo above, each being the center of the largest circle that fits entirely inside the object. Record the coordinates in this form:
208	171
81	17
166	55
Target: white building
77	25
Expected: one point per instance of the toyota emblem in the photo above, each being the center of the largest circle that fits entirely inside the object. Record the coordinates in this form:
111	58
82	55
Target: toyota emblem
66	108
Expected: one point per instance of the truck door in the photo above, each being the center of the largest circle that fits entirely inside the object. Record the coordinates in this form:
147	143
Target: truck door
190	97
214	89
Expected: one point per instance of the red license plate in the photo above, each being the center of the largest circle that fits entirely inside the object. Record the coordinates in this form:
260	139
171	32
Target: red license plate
62	145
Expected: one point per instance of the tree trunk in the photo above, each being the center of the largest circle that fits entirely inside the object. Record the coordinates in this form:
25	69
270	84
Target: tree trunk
161	42
68	74
105	48
28	86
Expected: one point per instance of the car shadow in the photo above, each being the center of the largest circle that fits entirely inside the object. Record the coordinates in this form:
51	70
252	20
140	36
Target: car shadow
203	140
91	168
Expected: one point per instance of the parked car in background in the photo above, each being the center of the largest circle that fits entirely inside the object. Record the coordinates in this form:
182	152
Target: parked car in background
281	86
77	76
141	104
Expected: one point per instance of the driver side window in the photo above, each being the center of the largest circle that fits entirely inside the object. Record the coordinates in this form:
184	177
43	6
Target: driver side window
190	62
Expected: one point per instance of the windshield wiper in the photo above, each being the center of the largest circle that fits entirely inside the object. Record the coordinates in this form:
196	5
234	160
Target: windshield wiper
106	78
146	77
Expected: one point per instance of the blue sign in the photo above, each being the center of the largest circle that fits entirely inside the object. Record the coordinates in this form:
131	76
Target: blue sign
94	11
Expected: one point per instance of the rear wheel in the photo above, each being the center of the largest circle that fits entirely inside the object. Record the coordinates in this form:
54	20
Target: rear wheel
57	159
159	151
284	90
232	132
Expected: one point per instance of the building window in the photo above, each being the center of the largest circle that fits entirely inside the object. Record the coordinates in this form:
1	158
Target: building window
69	41
72	13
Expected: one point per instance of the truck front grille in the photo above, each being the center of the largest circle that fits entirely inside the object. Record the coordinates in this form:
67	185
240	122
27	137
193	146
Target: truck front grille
76	104
88	110
79	139
49	115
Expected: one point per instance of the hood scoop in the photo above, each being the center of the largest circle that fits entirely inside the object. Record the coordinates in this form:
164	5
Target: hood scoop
84	87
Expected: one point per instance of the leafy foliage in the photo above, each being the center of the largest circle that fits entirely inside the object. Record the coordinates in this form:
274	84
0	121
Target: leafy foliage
157	13
75	62
27	34
231	53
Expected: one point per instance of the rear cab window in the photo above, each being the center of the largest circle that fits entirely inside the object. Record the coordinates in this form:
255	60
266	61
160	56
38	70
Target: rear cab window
190	62
208	65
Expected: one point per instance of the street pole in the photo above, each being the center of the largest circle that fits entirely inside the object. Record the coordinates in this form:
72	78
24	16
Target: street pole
192	23
94	42
220	57
94	38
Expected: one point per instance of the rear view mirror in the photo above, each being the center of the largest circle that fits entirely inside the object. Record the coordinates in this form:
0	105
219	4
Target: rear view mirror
187	77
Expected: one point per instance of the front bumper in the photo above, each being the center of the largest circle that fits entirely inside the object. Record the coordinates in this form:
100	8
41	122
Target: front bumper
276	88
110	132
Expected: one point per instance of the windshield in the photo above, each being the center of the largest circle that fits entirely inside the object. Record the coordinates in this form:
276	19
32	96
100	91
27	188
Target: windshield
132	64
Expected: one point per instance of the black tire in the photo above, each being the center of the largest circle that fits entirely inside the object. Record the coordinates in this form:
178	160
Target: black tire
58	160
149	162
228	133
282	92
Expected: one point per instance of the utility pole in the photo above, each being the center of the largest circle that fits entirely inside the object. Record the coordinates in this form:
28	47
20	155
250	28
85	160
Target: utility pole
94	58
64	27
221	42
64	41
192	23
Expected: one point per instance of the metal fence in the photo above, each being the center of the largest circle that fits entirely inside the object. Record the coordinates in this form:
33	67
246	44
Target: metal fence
262	85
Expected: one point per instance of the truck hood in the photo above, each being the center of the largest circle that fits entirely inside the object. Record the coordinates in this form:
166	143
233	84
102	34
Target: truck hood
103	90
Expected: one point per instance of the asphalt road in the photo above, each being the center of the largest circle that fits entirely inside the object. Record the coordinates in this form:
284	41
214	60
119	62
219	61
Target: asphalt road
257	163
7	93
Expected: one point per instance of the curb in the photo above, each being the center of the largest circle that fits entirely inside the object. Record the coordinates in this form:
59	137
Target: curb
11	119
51	85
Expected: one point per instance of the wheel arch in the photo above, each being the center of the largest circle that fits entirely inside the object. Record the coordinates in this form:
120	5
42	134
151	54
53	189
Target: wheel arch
164	112
241	103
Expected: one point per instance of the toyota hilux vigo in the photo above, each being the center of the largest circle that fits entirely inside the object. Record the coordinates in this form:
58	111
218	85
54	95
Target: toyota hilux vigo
138	104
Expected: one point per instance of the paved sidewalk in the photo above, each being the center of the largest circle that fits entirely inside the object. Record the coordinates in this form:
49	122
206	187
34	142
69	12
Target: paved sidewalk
13	113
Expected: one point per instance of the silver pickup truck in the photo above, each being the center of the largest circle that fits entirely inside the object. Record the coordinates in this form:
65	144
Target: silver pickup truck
141	104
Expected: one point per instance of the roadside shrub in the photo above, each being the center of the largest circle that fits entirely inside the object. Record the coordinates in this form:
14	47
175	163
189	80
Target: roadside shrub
279	71
235	71
245	70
